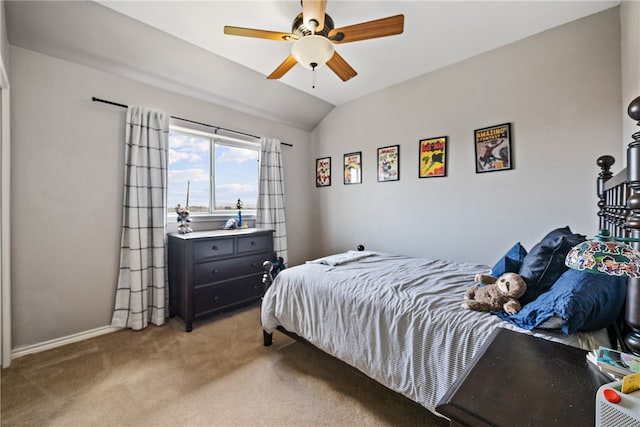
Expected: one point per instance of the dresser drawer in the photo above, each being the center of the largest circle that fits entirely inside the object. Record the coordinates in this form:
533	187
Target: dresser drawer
217	271
254	243
216	297
212	248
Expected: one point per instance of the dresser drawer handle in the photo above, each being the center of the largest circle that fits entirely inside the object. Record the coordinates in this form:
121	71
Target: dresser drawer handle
214	248
253	243
216	298
254	264
214	271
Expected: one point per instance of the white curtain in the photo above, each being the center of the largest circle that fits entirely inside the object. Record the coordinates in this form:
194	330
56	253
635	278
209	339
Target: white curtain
141	291
270	210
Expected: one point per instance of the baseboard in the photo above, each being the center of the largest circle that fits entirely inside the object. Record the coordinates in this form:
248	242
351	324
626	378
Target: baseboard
59	342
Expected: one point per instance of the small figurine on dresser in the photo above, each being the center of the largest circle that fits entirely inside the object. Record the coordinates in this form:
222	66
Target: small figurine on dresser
239	205
183	220
183	215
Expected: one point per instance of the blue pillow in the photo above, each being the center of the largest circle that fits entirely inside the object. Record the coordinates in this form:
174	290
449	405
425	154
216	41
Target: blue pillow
585	301
544	264
510	262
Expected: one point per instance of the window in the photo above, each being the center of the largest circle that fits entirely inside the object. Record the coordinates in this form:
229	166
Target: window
216	170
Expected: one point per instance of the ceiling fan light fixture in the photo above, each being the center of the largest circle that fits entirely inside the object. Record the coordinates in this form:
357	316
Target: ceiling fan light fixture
312	49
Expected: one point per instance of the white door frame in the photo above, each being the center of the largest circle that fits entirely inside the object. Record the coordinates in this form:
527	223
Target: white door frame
5	229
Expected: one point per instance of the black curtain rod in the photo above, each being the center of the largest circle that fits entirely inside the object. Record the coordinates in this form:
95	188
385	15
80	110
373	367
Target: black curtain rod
117	104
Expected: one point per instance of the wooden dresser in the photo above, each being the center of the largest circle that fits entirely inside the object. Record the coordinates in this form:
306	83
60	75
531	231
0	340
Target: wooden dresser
210	271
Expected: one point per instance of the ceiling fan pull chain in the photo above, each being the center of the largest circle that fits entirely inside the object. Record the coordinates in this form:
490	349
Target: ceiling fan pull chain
313	69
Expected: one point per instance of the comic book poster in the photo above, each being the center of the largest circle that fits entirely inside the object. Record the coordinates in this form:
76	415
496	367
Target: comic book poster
493	148
389	163
323	172
432	157
353	168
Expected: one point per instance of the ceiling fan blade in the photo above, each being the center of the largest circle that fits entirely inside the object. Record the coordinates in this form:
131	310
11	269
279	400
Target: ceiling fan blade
261	34
339	66
314	10
368	30
283	68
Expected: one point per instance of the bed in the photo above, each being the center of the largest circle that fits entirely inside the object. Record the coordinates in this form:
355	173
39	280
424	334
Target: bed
399	319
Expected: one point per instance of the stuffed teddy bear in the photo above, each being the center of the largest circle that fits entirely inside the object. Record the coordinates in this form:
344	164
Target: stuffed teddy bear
500	293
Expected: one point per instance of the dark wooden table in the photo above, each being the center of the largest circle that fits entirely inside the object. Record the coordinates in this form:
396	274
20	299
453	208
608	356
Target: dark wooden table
520	380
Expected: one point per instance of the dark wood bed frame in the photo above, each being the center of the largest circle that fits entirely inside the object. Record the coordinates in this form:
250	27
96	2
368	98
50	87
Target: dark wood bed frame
619	212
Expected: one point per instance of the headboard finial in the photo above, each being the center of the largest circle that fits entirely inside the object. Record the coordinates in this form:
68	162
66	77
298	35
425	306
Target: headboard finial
634	112
605	163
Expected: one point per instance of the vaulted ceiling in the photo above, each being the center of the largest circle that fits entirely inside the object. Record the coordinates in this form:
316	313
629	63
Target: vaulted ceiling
180	45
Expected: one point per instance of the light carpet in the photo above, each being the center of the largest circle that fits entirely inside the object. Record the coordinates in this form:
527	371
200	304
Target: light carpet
220	374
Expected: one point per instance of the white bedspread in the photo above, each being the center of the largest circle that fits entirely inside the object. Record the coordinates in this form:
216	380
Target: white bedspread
397	319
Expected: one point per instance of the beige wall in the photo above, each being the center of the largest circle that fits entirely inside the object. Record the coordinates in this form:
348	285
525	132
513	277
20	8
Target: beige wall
67	188
4	43
560	89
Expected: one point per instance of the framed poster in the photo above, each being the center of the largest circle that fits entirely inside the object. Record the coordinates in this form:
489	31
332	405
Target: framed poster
432	157
389	163
493	148
323	172
353	168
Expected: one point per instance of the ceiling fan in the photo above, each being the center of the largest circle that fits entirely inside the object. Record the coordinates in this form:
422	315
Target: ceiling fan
313	36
